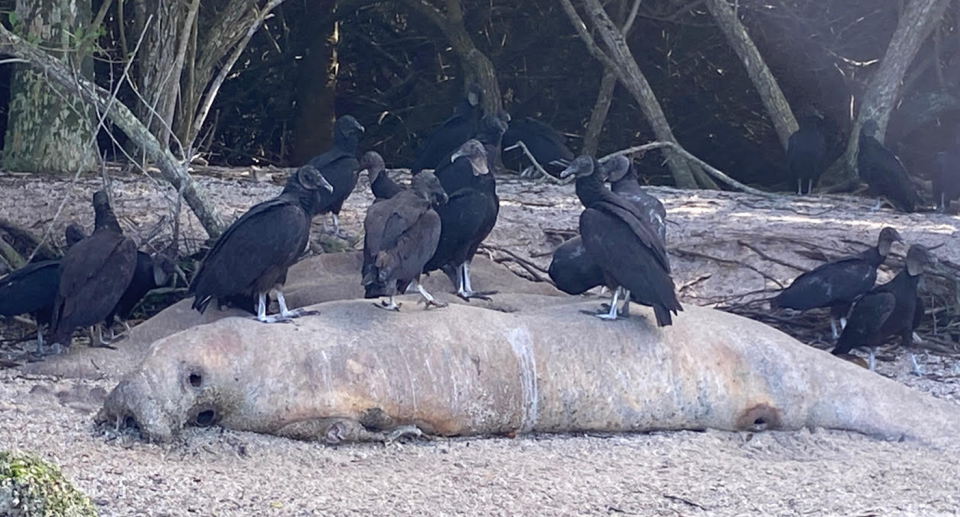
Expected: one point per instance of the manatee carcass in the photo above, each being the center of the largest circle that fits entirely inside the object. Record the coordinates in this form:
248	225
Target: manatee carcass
356	373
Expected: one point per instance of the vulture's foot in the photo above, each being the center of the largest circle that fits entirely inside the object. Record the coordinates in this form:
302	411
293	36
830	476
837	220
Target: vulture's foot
388	306
607	316
478	295
276	318
296	313
915	366
432	303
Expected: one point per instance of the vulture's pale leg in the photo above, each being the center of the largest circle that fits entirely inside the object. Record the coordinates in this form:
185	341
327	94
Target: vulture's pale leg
809	186
337	232
428	298
625	309
288	314
612	315
799	187
833	329
915	365
917	340
262	310
466	290
873	359
39	342
99	342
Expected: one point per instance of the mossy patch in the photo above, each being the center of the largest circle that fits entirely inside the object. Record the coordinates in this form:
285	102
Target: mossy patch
31	487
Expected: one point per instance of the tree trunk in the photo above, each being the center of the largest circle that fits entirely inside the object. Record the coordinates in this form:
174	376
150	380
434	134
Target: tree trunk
884	89
763	80
608	85
478	65
50	130
172	170
630	75
158	73
315	114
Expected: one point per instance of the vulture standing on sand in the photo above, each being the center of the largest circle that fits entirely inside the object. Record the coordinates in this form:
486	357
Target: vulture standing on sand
454	131
400	234
380	183
806	151
946	179
339	167
471	211
252	256
839	283
627	250
889	310
33	288
545	143
94	273
882	170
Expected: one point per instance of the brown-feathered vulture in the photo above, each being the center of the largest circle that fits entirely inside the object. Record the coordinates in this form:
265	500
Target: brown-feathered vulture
888	310
839	283
625	248
94	273
400	235
251	258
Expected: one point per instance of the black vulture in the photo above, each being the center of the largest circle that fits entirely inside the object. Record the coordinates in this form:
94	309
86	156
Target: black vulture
888	310
839	283
380	183
806	151
94	273
627	250
453	132
339	168
401	234
572	269
624	182
545	143
882	170
471	211
33	288
252	256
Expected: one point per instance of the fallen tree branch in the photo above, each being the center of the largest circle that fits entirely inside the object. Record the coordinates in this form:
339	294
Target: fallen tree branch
536	164
172	170
716	173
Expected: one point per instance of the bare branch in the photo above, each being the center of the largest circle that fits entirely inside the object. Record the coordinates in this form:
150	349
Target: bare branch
225	71
171	169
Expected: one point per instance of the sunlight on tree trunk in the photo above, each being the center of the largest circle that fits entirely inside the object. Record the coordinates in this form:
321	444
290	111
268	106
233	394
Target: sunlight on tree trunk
48	130
883	91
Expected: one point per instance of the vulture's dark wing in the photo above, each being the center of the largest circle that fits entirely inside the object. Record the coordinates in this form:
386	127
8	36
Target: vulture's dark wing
143	281
463	216
30	288
388	220
93	276
629	216
270	235
445	140
863	326
836	282
886	175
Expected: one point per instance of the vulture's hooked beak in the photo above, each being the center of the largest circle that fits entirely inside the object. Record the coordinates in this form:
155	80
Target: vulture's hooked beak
569	171
324	184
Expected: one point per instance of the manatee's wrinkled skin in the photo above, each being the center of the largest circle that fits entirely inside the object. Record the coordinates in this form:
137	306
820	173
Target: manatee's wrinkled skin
355	372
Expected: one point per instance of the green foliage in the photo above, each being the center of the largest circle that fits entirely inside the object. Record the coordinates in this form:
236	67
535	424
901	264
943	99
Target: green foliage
31	487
